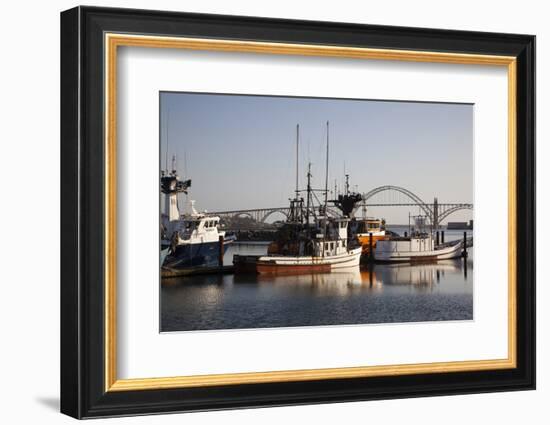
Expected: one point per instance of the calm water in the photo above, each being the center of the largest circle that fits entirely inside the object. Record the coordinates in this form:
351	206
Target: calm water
384	294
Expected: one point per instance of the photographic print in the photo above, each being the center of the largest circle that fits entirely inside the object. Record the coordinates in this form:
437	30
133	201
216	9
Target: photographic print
303	211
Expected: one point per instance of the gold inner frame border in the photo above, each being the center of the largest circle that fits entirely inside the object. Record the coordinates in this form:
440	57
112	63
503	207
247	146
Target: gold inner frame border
113	40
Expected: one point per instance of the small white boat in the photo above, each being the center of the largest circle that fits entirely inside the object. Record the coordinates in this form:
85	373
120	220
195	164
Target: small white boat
415	249
419	247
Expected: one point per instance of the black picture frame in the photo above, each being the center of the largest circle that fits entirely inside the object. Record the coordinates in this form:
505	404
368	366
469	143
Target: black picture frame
83	392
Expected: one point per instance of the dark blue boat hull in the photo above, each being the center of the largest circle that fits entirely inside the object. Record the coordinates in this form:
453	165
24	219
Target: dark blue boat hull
204	254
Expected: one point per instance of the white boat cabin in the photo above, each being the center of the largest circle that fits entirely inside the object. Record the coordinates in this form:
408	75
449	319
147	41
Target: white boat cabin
336	240
195	227
408	245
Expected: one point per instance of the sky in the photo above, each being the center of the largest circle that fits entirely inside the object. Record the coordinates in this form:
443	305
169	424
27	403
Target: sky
240	151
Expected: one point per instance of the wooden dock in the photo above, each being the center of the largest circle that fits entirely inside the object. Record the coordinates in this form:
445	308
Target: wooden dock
168	273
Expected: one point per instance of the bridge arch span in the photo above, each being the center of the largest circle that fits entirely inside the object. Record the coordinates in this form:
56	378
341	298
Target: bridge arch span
416	199
243	214
277	211
448	212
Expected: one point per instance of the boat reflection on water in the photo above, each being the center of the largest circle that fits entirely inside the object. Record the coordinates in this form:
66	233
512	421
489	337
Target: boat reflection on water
381	293
369	277
337	281
423	276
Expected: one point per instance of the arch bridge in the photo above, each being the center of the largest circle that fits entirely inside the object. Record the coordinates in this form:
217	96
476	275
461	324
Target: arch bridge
262	214
436	211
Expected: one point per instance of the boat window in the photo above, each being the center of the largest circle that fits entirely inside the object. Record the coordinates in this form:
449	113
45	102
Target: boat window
191	225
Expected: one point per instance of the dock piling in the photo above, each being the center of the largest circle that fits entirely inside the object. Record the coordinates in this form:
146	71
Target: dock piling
464	245
220	256
437	238
371	250
442	236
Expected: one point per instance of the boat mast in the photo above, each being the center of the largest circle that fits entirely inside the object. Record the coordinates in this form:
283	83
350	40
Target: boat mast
326	177
308	192
167	141
326	186
174	166
297	150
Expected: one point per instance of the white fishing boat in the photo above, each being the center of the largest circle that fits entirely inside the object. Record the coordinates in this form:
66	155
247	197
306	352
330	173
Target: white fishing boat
328	251
419	247
414	249
314	242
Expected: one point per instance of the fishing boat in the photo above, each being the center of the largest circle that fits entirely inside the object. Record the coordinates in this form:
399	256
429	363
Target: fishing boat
191	239
419	247
311	241
327	251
